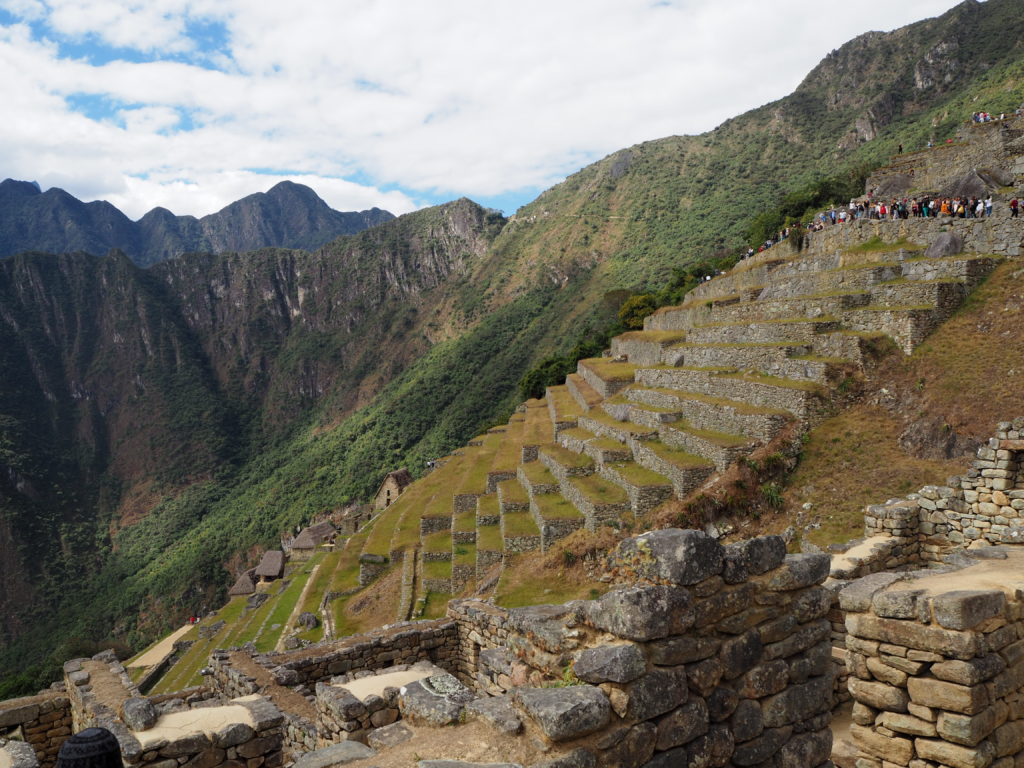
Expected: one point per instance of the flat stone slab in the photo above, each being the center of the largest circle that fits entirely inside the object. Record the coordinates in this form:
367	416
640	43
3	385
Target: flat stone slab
336	754
205	720
374	685
160	651
460	764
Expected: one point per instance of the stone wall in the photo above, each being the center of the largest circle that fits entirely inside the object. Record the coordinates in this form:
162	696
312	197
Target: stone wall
937	673
44	721
402	643
704	655
247	731
983	507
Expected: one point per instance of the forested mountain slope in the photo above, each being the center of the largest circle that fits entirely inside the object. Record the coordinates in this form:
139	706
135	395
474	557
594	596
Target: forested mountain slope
160	424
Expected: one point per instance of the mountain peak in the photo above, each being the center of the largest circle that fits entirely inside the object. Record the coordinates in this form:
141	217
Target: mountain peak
12	187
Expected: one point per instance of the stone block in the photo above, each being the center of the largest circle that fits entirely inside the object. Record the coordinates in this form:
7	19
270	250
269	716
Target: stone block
336	754
878	695
895	749
642	613
752	557
969	672
765	680
759	749
908	724
578	758
497	711
610	663
967	730
672	555
1008	738
798	571
740	654
746	721
885	673
965	609
896	604
683	725
655	693
798	702
681	650
565	713
954	755
969	700
634	749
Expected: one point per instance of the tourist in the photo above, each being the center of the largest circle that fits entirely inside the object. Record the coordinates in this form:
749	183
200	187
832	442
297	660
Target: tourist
91	748
1013	208
988	205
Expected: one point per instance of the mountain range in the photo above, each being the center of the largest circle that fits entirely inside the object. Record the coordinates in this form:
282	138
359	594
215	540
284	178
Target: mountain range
160	425
288	215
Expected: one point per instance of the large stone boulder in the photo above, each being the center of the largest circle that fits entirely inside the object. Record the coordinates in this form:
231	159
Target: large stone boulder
434	701
565	713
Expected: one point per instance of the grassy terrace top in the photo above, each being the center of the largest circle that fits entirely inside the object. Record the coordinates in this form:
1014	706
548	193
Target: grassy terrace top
775	381
553	506
642	477
565	406
608	369
599	490
721	439
676	456
510	451
474	482
488	538
519	524
621	426
657	337
439	541
487	506
512	491
538	474
566	457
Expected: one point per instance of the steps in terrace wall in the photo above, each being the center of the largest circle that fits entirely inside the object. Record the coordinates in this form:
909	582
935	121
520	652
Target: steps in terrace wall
563	463
645	347
490	547
804	400
606	375
780	309
519	533
562	408
790	361
555	517
645	488
685	471
512	496
601	449
585	395
789	331
713	413
599	499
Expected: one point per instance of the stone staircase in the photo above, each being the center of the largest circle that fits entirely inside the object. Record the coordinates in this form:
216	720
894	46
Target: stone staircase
749	353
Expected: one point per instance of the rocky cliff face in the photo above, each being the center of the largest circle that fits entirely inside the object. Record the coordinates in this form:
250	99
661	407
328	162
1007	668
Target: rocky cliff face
121	382
289	215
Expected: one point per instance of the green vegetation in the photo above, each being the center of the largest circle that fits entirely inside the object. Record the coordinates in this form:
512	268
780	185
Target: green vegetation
168	436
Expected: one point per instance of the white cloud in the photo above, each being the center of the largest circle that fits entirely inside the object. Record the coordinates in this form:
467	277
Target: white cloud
436	99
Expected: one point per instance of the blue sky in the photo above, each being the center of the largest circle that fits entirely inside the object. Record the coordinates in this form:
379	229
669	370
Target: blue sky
191	104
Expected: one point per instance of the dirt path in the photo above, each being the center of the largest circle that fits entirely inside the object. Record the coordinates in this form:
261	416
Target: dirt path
297	609
160	651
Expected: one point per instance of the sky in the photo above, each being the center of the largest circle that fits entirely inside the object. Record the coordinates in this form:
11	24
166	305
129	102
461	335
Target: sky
399	104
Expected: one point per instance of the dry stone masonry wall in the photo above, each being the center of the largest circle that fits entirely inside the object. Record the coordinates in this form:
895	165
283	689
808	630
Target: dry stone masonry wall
43	723
937	673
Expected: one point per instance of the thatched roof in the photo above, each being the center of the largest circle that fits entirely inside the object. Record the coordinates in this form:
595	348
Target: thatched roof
402	477
313	535
244	585
272	565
